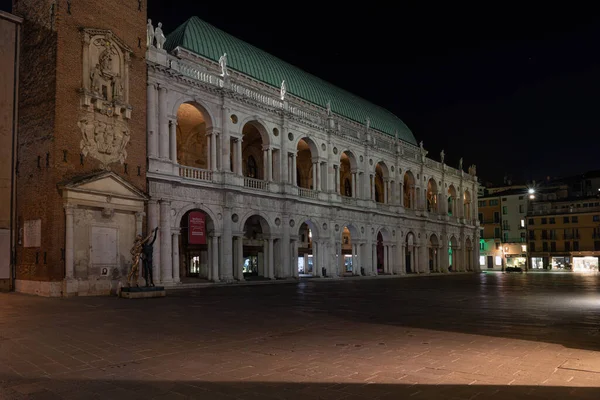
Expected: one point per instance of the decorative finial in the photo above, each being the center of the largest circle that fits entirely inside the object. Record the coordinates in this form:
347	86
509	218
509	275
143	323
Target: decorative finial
460	162
368	123
442	155
329	108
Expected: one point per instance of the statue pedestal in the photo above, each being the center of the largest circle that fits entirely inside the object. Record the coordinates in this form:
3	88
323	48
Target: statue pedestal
142	292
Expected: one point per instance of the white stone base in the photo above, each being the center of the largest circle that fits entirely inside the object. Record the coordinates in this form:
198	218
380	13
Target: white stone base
67	288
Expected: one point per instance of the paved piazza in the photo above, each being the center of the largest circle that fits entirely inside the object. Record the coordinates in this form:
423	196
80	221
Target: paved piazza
486	336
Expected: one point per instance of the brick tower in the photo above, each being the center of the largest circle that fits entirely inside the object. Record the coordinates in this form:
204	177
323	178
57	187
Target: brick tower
81	144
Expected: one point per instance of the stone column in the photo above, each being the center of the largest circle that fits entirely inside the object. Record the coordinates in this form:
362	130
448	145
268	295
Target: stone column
294	258
374	259
315	254
153	222
386	263
173	140
270	259
339	268
314	175
354	259
225	269
151	119
401	259
165	242
336	183
239	258
213	150
225	140
401	194
285	248
214	249
269	176
69	248
163	123
385	191
294	167
175	247
238	157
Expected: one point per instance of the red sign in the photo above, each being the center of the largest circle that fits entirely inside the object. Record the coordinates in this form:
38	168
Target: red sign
196	228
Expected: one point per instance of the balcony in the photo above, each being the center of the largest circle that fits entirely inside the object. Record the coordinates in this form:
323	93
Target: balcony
196	174
256	184
308	193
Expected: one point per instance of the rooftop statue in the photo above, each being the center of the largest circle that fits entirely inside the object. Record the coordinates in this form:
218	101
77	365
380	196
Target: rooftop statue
160	37
149	34
223	65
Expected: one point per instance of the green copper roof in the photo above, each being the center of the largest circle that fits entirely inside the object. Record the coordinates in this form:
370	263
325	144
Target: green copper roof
206	40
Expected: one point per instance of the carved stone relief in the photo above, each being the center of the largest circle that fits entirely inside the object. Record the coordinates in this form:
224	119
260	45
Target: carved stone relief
105	108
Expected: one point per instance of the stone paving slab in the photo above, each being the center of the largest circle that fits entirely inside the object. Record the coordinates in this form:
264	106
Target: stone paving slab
488	336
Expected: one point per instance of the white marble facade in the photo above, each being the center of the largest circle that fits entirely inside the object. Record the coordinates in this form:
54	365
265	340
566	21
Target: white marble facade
412	232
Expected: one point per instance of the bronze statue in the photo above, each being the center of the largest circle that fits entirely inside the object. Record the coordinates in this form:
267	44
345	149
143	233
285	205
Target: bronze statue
147	250
136	252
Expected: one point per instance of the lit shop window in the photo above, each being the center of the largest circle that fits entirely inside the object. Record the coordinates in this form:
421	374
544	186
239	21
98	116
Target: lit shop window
498	260
482	260
523	248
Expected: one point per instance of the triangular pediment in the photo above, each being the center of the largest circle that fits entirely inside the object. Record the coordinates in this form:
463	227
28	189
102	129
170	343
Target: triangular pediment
105	183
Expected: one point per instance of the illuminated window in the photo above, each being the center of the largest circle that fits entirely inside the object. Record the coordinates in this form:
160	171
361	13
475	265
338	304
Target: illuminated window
498	260
482	260
522	223
524	248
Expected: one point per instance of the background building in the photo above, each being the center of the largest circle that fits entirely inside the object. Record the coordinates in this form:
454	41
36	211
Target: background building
564	234
10	28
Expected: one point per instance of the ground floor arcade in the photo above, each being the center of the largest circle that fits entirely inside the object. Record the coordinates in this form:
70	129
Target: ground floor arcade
260	238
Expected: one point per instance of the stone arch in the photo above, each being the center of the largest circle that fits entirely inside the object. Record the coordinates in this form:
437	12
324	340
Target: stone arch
210	121
410	242
348	251
409	191
259	124
255	143
469	254
306	153
194	248
433	247
452	197
453	249
201	207
265	222
257	247
193	144
348	172
432	196
467	205
304	262
381	182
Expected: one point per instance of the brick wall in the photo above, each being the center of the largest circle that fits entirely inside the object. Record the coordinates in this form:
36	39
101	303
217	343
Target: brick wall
51	76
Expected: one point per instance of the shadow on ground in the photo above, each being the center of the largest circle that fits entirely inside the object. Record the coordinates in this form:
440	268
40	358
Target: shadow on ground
14	389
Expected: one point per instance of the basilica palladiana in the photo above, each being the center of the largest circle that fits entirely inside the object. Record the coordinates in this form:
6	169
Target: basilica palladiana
259	170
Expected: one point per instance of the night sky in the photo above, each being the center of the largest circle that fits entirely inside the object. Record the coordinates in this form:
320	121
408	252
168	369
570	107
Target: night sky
514	91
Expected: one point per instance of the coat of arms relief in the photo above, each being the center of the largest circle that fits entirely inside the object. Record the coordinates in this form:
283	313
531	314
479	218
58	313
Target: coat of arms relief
105	108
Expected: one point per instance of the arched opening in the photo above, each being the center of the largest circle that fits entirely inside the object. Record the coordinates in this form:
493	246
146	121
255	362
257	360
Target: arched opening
257	249
409	191
348	175
409	254
348	252
452	201
432	196
196	258
453	255
467	205
192	142
434	247
254	162
306	170
381	183
305	261
469	255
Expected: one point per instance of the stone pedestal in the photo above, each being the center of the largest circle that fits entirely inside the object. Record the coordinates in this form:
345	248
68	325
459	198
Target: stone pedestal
142	292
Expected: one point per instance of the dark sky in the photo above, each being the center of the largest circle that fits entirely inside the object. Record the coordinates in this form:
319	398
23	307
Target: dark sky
512	90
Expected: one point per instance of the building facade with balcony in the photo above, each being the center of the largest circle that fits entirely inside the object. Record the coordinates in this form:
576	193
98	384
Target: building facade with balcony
259	169
564	234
